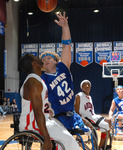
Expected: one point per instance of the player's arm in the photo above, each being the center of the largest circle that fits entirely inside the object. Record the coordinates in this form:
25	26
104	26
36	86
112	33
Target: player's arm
32	92
66	49
111	111
77	104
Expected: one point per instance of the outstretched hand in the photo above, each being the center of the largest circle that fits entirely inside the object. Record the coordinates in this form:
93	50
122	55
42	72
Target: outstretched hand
62	20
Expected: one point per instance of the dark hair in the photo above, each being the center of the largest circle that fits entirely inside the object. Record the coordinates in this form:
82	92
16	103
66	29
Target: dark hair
25	63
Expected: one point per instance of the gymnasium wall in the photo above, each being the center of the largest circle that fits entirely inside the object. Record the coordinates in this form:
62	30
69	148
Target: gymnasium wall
85	26
2	46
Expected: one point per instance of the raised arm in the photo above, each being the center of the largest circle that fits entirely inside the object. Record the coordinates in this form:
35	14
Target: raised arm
66	39
111	111
32	92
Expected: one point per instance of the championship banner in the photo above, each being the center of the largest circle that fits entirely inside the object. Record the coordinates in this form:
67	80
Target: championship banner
29	48
46	47
5	63
102	52
59	50
84	53
118	46
1	28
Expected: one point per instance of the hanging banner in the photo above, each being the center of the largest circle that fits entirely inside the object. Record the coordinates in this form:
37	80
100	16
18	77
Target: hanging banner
1	28
84	53
59	50
102	52
118	46
5	63
46	47
29	48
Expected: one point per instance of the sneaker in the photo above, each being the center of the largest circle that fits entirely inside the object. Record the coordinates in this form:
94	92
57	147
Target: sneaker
4	113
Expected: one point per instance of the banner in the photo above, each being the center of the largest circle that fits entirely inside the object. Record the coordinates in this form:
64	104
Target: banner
84	53
118	46
5	63
102	52
46	47
29	48
1	28
59	50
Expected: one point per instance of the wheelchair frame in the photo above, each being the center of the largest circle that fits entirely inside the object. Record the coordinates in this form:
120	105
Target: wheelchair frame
96	128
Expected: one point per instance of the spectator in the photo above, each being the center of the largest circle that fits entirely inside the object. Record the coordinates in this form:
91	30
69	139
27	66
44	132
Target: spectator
5	104
9	108
2	111
14	106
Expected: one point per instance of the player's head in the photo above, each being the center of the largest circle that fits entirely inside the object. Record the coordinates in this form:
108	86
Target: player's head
26	63
119	89
85	85
49	57
51	54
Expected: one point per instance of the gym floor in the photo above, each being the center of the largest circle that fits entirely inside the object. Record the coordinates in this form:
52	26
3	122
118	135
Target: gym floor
6	132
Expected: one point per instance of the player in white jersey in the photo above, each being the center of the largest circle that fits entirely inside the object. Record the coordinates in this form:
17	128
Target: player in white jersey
35	107
84	107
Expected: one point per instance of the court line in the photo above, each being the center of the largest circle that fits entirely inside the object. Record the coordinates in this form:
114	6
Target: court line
5	122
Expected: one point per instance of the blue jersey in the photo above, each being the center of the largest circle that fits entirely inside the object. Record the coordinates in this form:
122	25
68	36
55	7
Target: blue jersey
119	104
61	95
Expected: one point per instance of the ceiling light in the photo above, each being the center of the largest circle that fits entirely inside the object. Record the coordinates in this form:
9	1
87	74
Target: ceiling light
96	10
30	13
16	0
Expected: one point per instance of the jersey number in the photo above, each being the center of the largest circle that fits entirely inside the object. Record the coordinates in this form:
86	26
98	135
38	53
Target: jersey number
91	111
46	109
60	91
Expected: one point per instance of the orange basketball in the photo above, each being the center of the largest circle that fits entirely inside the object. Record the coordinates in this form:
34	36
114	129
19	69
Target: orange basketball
47	5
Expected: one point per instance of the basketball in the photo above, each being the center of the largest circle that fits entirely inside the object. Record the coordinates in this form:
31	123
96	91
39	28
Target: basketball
47	5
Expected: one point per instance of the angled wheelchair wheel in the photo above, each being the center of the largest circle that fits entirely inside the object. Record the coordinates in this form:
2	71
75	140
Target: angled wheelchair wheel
87	142
27	140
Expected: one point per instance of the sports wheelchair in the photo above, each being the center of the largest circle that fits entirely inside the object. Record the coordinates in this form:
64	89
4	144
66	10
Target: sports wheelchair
29	140
86	142
26	140
96	127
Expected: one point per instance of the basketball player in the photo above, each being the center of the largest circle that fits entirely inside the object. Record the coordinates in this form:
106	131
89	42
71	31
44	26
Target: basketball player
35	107
118	103
84	107
58	79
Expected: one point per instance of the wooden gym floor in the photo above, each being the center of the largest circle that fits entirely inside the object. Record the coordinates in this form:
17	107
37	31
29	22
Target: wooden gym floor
6	132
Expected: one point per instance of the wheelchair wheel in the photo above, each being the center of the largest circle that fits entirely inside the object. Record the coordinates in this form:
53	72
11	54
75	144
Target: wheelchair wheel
85	142
27	140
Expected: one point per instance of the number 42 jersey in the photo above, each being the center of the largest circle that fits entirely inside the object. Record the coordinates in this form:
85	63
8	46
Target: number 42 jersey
60	89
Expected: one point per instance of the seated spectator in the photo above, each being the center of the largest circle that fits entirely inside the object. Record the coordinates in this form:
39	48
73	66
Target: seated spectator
8	102
14	106
2	111
84	107
9	108
118	103
5	104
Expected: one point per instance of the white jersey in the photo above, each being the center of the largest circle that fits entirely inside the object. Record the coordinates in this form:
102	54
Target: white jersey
56	130
86	108
27	119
